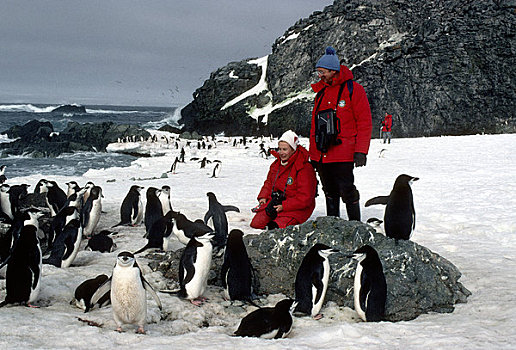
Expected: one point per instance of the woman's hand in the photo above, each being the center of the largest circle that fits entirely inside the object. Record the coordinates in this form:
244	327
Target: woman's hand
278	208
262	201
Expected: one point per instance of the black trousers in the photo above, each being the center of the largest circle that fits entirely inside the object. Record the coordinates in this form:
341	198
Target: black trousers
338	180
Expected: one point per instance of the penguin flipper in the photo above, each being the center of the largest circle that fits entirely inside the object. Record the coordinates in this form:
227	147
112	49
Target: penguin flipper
152	292
365	289
231	208
207	216
103	289
377	200
317	283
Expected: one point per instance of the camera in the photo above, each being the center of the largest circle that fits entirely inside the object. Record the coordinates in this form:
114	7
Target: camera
277	197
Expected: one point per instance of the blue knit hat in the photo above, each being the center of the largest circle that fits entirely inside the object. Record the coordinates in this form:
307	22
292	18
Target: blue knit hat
329	60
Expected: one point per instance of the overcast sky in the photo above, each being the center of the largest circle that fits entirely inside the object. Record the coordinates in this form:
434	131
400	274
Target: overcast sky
153	53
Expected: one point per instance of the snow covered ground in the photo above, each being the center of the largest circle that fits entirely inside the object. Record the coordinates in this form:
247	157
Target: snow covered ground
465	203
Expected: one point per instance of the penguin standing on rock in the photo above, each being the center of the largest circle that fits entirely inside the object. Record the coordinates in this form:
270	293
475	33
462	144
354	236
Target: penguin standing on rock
400	215
312	280
268	322
23	274
153	208
128	298
237	271
194	267
131	210
217	212
370	287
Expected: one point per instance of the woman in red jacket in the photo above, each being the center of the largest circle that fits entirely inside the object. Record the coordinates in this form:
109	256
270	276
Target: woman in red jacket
288	194
387	127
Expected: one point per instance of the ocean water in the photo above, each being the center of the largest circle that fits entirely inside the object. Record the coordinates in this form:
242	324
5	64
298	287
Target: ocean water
77	163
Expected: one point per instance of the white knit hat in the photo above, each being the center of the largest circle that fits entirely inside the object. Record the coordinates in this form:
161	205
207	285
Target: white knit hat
291	138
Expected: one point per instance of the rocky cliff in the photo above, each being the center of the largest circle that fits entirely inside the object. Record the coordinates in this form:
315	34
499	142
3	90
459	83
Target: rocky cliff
439	67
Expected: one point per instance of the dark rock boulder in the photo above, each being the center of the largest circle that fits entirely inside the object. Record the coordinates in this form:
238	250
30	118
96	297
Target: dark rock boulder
439	67
73	109
171	129
418	280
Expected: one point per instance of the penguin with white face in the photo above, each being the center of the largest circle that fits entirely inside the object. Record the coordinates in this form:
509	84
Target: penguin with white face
67	243
400	215
87	189
131	210
312	280
164	198
185	229
370	287
128	298
55	198
91	211
194	268
268	322
73	187
23	274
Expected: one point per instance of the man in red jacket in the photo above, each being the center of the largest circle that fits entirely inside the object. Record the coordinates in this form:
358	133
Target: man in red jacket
387	127
292	175
337	93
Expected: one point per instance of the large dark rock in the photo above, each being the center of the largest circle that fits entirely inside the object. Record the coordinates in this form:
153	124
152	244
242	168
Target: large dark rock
439	67
39	140
74	109
418	280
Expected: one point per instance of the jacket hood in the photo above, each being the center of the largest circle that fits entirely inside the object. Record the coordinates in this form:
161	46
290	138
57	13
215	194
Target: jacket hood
298	158
344	74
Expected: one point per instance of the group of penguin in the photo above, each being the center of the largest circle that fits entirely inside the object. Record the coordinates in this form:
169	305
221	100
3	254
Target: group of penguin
76	214
73	215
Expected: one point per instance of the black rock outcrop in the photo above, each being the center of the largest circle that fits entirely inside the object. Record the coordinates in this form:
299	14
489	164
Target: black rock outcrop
418	280
38	139
439	67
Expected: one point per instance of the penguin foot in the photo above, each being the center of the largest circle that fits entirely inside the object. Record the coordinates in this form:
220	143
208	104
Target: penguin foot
32	306
119	329
318	317
140	330
198	301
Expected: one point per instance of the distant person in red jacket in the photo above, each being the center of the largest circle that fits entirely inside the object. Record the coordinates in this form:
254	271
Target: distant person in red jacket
387	127
287	196
337	147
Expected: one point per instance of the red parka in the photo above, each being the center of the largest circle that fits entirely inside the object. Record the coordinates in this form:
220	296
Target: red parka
387	123
355	119
297	179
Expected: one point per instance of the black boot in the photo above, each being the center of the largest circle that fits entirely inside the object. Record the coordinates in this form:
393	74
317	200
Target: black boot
272	225
333	206
353	210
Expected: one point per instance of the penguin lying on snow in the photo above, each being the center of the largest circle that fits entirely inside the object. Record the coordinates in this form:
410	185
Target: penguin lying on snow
84	292
400	215
370	288
268	322
312	280
128	298
185	229
101	242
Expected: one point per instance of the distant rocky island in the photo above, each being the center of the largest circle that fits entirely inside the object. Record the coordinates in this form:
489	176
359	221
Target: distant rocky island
439	67
74	109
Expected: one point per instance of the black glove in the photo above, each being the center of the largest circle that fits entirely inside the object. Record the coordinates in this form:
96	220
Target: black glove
360	159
